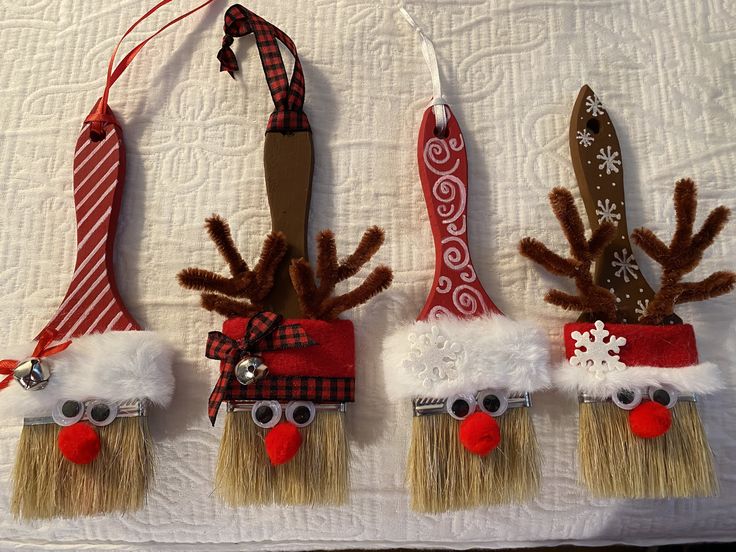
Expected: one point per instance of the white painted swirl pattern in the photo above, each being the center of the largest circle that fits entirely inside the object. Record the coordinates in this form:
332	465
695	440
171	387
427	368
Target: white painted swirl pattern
449	195
444	284
449	190
456	256
468	300
438	313
437	153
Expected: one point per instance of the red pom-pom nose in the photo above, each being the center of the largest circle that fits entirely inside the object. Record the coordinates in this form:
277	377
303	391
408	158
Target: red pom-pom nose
282	443
79	443
479	433
650	419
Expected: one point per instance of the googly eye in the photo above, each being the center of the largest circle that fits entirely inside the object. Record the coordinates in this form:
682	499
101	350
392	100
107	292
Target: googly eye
100	413
300	413
493	402
665	396
67	413
627	399
460	406
266	414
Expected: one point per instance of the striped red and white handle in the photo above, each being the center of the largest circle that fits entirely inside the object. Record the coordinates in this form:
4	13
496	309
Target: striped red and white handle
92	303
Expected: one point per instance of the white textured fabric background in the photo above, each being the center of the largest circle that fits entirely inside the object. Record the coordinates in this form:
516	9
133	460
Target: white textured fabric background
194	138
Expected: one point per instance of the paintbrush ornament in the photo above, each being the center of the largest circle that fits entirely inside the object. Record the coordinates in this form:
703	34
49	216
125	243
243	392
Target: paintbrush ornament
84	387
287	362
632	362
467	369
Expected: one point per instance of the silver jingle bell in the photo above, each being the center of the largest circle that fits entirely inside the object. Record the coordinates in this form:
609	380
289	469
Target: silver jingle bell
31	374
250	369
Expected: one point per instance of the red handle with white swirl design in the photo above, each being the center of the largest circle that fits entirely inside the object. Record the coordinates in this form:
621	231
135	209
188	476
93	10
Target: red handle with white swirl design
443	171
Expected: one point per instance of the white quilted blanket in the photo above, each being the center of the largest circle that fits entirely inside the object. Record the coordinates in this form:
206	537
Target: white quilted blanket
194	139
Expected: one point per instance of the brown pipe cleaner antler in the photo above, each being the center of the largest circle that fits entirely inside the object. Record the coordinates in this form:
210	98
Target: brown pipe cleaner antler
255	285
316	300
683	255
593	298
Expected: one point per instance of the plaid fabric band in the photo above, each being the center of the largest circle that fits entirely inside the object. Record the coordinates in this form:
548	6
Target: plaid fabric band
288	97
294	388
263	333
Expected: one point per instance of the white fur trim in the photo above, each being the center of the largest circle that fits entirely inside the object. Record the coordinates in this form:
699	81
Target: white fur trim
441	358
700	378
112	366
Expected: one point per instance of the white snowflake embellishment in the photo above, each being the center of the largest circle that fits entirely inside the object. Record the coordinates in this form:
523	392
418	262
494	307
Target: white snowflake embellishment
584	138
641	307
433	357
608	160
625	264
605	212
593	105
595	353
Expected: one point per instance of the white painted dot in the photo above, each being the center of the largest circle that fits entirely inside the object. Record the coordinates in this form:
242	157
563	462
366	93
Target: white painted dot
613	184
597	187
622	202
608	123
588	162
628	296
609	135
609	281
618	300
600	175
625	320
641	290
623	237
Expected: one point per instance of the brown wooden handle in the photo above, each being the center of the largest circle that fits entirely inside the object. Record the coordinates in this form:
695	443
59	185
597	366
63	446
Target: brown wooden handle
288	161
596	158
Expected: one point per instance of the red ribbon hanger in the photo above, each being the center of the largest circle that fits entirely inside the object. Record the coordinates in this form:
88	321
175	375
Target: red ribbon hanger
92	303
101	113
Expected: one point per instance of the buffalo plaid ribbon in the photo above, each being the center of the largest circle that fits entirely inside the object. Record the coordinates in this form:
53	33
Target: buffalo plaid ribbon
318	389
288	97
263	333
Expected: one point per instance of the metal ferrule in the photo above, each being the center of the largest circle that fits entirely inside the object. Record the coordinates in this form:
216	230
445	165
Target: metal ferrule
247	406
126	409
584	398
429	407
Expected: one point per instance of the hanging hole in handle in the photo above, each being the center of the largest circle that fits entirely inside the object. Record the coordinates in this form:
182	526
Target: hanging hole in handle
593	126
441	133
97	134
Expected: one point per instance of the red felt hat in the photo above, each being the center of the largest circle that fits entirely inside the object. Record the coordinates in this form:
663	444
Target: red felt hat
604	358
322	373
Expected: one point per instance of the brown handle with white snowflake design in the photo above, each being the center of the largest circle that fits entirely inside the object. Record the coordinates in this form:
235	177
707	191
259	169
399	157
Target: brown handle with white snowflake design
596	158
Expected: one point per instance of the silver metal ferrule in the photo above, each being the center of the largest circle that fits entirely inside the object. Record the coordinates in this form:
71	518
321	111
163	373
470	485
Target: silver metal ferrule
126	409
585	398
247	406
429	407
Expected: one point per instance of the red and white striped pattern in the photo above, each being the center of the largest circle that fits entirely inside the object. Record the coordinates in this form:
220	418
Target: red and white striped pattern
92	303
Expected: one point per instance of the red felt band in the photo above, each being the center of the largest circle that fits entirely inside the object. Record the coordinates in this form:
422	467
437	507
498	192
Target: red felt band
332	357
660	346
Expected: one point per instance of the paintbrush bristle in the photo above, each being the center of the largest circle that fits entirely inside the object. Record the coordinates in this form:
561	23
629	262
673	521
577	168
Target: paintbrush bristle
616	463
318	474
443	476
47	485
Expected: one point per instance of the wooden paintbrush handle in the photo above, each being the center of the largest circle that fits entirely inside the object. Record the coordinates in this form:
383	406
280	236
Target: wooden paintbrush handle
288	162
596	158
443	171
